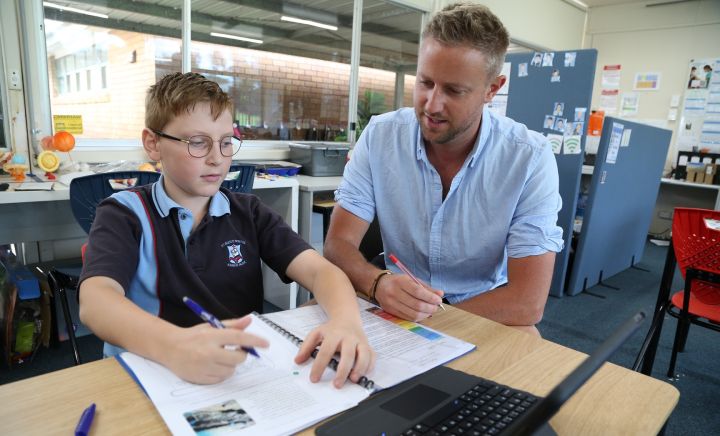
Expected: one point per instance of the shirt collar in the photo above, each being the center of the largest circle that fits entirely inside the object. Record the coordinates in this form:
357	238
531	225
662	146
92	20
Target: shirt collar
219	203
480	143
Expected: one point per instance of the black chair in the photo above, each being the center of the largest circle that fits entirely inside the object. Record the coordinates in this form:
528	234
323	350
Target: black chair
85	194
243	178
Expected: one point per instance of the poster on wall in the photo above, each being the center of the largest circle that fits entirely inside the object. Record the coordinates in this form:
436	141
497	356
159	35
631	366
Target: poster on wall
700	74
646	82
609	100
610	77
699	127
629	103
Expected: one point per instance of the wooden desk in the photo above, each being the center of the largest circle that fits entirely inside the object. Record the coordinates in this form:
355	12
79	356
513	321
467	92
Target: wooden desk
615	401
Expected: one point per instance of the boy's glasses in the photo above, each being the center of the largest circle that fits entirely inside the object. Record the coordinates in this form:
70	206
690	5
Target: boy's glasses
200	145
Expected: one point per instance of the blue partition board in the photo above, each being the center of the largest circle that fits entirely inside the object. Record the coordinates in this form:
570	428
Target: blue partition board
533	97
620	203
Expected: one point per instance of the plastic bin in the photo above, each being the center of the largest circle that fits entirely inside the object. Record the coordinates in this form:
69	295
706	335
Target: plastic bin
320	158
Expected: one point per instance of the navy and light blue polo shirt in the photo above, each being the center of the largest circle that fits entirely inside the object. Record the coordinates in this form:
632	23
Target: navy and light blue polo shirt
142	239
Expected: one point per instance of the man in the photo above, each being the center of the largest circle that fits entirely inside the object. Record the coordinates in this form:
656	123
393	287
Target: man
467	199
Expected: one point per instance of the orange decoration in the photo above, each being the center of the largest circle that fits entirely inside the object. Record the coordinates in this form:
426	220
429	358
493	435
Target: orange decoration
63	141
47	143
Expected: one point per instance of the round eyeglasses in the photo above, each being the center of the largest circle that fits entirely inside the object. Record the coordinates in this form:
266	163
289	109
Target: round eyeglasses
200	145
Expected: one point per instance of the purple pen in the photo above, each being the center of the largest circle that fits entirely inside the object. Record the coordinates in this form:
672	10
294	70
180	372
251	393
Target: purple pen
212	320
86	419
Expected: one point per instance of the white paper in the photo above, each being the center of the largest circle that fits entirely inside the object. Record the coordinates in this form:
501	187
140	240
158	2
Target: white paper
572	144
499	104
675	100
625	141
712	224
35	186
403	349
266	395
614	144
556	142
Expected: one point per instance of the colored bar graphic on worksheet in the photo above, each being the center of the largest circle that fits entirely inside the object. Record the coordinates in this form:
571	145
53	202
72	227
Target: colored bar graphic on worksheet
407	325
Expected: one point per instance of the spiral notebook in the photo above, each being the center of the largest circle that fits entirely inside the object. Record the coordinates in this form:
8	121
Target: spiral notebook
273	395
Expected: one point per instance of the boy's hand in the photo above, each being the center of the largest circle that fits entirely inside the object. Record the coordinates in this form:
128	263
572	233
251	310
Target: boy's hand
399	295
347	338
198	354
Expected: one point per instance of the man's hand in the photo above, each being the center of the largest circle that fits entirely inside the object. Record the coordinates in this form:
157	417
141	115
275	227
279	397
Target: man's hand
205	355
338	336
400	295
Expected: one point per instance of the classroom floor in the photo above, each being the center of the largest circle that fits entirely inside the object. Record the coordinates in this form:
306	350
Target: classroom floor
581	322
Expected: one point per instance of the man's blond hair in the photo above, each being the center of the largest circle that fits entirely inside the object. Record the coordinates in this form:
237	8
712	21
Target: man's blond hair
179	92
472	25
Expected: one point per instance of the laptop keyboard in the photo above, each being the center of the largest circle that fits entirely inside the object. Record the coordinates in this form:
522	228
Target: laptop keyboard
486	409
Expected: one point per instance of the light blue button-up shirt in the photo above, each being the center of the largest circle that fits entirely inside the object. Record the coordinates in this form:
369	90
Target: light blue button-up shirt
503	202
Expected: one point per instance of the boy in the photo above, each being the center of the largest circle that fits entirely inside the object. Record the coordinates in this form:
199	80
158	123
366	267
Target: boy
182	236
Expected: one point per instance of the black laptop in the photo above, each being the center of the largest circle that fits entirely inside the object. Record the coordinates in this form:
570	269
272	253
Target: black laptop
444	401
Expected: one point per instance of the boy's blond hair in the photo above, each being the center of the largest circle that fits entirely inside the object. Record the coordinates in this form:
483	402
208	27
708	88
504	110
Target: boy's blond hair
473	25
179	92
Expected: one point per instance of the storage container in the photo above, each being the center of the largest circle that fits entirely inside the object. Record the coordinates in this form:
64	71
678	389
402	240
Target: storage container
320	158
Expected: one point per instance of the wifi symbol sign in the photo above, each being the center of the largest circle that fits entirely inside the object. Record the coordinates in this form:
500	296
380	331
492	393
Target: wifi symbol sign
572	145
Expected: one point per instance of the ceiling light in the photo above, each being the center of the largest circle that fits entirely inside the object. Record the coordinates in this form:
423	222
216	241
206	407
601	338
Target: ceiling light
76	10
308	22
239	38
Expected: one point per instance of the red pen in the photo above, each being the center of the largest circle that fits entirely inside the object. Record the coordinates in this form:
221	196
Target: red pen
404	269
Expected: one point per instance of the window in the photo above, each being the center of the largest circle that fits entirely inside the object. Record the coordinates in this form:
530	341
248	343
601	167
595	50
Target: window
101	65
388	57
286	65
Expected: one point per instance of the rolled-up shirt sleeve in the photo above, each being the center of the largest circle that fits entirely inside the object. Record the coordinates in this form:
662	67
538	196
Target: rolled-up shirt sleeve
355	193
534	229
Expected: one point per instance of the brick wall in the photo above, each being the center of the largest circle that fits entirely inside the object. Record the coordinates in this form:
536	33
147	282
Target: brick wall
270	90
117	112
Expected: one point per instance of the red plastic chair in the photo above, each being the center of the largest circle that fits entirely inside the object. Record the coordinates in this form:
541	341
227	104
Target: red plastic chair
697	250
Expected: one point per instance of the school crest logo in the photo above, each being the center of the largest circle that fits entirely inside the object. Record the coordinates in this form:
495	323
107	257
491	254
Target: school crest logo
234	253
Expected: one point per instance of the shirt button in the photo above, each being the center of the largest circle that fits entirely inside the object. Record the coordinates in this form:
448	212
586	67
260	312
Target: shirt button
183	216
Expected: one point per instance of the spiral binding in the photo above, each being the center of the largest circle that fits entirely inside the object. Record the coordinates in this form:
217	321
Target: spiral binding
363	381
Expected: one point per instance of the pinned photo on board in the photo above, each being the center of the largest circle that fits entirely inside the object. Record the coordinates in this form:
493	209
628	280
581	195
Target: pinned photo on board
549	122
523	70
555	75
560	124
536	59
580	114
578	128
548	59
558	108
569	128
700	75
570	58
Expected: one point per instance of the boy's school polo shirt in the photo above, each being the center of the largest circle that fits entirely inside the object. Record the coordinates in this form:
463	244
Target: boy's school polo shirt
141	238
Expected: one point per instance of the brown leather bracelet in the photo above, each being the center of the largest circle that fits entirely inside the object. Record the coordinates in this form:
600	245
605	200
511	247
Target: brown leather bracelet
373	289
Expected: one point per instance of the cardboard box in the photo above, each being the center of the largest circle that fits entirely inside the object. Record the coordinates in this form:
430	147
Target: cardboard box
695	172
710	170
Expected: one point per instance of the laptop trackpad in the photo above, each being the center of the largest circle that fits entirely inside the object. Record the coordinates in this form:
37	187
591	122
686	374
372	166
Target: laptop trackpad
415	401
